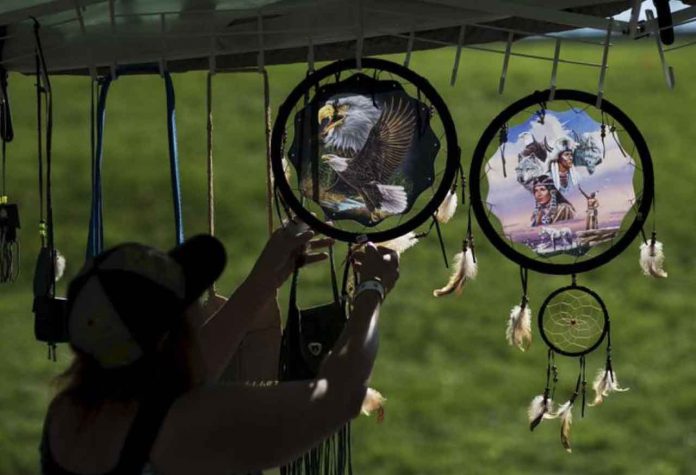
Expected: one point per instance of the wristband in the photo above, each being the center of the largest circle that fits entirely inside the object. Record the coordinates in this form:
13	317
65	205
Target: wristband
373	285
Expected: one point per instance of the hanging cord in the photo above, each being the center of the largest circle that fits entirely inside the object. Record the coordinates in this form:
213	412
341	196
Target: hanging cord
95	242
503	140
469	241
210	174
44	98
584	384
603	134
524	278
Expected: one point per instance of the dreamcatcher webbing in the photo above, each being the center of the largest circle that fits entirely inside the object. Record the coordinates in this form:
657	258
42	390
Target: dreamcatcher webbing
95	240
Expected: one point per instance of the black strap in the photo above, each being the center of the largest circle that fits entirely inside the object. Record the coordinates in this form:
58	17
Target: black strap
142	434
334	282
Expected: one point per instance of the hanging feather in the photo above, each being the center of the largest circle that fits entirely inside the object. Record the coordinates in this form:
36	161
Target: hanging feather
465	269
287	171
402	243
652	258
9	245
565	414
446	210
374	401
540	408
605	383
60	263
519	327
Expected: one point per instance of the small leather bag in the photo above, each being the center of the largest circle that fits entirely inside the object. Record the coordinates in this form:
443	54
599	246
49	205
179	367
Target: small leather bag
308	337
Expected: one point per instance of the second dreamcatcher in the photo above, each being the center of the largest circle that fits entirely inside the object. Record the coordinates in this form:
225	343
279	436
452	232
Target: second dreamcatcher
562	187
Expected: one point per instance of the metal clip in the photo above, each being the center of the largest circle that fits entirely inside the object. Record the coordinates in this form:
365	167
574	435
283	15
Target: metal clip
409	47
261	60
458	54
666	68
603	68
506	62
554	69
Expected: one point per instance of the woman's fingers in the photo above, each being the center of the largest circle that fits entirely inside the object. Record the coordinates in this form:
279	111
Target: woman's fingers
320	243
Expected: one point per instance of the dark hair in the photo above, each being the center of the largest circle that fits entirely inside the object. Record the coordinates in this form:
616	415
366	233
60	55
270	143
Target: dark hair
172	370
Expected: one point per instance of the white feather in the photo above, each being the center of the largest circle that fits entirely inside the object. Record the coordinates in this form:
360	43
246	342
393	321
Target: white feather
465	269
60	263
652	259
605	383
447	208
519	327
373	401
287	170
565	413
540	408
402	243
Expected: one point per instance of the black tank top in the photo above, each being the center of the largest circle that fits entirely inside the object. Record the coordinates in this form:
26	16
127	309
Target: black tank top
136	449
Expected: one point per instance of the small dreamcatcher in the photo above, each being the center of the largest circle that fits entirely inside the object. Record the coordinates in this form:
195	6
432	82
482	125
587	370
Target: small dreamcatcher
563	188
366	153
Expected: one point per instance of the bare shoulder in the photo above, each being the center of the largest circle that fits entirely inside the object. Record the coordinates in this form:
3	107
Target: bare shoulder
238	428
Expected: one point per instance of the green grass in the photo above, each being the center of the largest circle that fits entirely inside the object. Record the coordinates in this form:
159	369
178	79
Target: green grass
457	393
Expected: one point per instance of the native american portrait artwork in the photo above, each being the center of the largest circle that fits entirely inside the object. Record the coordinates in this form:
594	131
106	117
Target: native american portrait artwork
571	188
364	155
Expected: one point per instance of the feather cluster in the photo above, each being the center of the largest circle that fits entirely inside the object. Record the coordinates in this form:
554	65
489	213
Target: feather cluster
540	408
402	243
373	401
446	210
519	327
60	263
465	269
652	259
565	414
605	383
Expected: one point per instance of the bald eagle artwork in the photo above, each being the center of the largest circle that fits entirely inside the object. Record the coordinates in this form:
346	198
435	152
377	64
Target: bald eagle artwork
365	145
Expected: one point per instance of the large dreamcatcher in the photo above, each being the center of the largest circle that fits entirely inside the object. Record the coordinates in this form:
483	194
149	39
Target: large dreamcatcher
364	152
562	187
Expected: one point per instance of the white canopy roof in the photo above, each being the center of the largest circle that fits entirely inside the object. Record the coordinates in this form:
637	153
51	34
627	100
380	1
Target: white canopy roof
79	35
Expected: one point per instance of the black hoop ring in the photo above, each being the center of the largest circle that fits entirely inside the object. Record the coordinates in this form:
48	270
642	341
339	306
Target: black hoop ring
451	166
644	202
540	321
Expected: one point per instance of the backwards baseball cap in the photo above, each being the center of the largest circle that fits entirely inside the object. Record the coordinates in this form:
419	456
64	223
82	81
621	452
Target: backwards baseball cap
126	299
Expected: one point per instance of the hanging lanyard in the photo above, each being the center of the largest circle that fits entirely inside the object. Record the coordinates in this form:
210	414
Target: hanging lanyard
95	240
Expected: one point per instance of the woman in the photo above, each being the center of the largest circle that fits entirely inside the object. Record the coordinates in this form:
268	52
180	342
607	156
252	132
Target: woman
550	206
141	395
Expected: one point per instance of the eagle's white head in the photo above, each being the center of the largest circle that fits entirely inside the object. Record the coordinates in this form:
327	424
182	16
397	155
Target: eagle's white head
345	123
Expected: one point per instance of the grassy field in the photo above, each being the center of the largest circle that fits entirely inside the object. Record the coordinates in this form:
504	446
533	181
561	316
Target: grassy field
457	393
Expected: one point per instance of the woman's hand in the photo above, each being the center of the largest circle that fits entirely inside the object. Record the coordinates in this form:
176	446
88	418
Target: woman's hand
377	263
287	247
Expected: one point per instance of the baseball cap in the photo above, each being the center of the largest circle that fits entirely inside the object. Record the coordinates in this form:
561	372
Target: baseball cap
126	299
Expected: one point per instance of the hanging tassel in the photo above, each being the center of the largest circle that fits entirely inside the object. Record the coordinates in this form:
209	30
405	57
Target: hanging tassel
652	258
539	409
374	401
447	208
605	383
519	328
565	414
402	243
9	245
465	269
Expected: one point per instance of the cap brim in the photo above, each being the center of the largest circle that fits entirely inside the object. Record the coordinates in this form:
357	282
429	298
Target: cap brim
202	259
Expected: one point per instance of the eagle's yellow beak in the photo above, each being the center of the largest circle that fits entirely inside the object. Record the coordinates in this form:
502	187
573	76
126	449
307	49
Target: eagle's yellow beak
326	115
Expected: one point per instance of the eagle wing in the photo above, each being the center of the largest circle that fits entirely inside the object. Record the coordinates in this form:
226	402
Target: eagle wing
386	146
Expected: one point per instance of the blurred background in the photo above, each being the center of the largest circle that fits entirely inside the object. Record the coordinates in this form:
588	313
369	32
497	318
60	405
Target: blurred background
457	393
